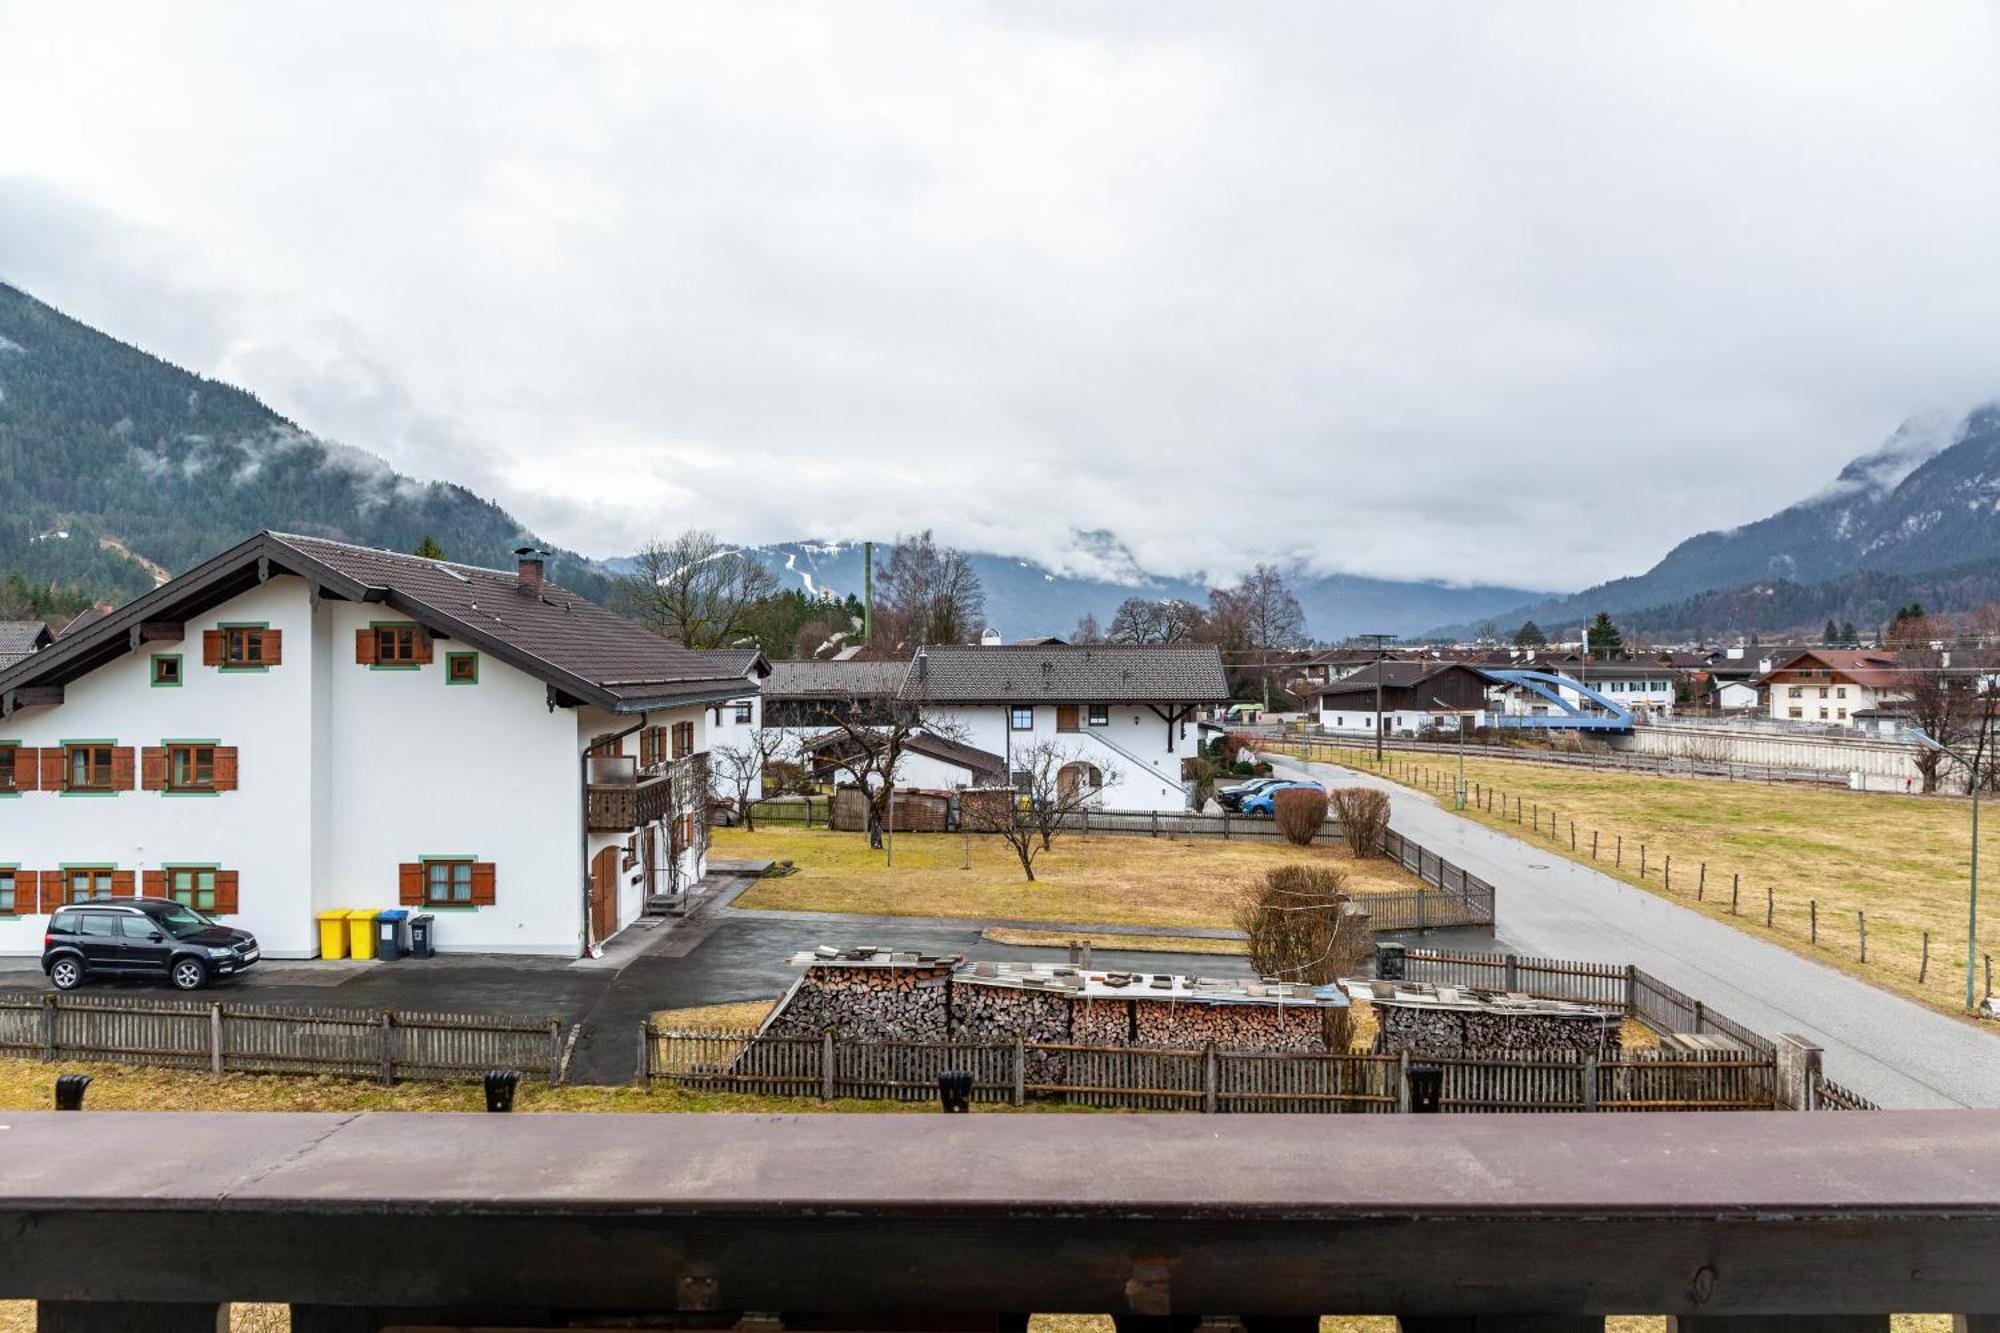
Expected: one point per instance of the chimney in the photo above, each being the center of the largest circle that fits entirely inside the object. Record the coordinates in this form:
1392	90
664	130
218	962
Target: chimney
528	565
923	663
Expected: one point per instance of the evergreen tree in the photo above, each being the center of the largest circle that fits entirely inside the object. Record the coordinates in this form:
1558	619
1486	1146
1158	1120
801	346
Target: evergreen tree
1848	634
1603	638
429	549
1530	636
1831	634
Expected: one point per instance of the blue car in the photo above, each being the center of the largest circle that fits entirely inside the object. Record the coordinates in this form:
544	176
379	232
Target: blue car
1263	802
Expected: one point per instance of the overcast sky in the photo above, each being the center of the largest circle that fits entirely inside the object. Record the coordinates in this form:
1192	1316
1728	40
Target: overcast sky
1504	292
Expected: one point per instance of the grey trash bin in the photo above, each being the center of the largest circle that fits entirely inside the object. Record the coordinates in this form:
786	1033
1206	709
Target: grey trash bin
389	934
422	935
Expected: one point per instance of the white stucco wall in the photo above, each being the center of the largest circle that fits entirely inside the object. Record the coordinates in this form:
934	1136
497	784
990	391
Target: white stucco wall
1133	742
264	830
416	767
1402	722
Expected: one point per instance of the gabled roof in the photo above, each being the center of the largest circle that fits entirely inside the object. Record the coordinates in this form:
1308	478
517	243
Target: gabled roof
583	652
1863	666
851	679
979	763
1077	673
18	638
1394	676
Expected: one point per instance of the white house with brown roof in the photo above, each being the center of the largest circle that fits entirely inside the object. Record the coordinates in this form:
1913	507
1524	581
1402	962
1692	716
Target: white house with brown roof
299	725
1832	685
1113	711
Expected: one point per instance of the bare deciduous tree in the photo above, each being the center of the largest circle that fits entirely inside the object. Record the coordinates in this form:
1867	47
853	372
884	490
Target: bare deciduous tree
734	771
1138	620
927	593
866	741
694	590
1256	618
1052	788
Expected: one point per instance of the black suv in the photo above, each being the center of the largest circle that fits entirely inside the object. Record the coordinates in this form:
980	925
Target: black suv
142	937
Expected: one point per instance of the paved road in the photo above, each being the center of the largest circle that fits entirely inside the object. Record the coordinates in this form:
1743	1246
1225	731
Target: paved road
1889	1049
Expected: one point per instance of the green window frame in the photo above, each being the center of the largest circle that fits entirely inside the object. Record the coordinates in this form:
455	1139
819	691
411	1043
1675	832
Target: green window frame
166	671
448	881
191	886
10	890
86	884
461	668
190	765
243	645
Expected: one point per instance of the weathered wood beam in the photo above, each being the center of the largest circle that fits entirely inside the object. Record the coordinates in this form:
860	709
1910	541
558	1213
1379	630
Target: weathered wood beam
36	696
162	631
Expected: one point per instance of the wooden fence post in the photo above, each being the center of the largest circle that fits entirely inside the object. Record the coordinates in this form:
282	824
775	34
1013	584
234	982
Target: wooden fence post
1924	967
1701	882
1861	918
1593	844
1700	1015
215	1037
826	1088
646	1053
1510	974
49	1026
1815	920
1669	870
1210	1080
1618	854
1631	988
1403	1081
555	1053
1732	895
1020	1069
388	1048
1642	860
1572	835
1770	905
1590	1081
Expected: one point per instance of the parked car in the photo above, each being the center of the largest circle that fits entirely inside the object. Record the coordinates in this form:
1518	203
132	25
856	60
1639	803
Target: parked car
1264	802
1232	798
142	937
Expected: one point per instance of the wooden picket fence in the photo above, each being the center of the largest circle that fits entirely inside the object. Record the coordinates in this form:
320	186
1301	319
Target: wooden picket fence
230	1037
1831	1096
1206	1079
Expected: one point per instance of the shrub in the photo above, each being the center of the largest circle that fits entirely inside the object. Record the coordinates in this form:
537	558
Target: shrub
1364	817
1242	769
1202	774
1261	769
1302	927
1299	811
1237	745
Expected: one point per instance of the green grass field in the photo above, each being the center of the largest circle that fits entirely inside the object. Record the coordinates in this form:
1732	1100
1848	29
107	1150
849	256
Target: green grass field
1902	860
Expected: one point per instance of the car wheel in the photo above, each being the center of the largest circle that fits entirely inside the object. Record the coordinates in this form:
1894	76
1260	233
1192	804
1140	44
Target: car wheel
189	974
66	974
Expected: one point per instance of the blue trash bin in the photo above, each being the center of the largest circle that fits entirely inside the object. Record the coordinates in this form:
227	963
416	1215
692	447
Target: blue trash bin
389	945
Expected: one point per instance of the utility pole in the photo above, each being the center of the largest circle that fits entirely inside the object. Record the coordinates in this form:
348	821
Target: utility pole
868	592
1380	640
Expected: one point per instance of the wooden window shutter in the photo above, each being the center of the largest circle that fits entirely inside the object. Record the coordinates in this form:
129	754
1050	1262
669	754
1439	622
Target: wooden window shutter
482	884
274	647
52	890
124	884
122	774
27	768
153	770
420	646
52	768
214	648
410	884
225	893
154	882
364	647
225	768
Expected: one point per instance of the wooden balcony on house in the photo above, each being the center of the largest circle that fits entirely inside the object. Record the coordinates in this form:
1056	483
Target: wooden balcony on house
621	796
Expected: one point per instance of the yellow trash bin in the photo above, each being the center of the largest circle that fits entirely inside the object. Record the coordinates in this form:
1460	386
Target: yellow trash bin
361	932
333	934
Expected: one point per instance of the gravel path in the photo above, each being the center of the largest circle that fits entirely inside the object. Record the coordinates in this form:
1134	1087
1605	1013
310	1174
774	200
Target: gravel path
1889	1049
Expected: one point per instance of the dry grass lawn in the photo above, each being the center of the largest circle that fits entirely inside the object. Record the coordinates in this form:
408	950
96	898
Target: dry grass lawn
737	1017
1102	880
1101	940
1902	860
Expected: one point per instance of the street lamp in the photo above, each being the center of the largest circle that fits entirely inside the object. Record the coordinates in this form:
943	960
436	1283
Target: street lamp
1459	794
1972	895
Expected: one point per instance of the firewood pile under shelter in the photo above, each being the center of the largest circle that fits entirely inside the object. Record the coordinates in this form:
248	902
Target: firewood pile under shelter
1453	1020
881	993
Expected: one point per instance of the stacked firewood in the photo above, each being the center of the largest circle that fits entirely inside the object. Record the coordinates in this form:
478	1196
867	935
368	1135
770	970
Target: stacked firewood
1426	1031
893	1004
1229	1026
999	1013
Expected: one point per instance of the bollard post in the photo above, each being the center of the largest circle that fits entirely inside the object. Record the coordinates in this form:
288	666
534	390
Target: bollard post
955	1091
69	1091
500	1085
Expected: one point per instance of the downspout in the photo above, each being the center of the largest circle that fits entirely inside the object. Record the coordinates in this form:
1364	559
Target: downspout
590	946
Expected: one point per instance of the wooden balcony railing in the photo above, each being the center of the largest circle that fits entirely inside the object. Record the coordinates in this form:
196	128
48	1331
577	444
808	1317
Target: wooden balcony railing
928	1222
622	796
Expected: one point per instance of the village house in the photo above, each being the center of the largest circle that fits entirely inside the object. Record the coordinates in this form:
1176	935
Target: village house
1642	687
1415	696
299	725
1832	685
18	638
1119	716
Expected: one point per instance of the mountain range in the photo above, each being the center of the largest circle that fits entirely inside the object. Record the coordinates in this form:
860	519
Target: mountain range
117	467
1916	520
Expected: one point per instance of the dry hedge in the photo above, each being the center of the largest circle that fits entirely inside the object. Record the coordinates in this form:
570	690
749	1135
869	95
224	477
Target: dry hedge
1300	812
1364	817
